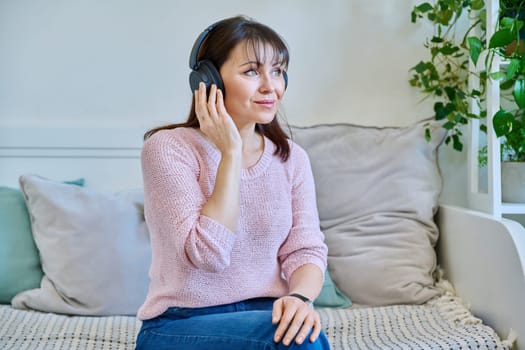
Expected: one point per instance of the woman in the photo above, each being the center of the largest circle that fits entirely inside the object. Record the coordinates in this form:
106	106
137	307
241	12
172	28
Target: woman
237	253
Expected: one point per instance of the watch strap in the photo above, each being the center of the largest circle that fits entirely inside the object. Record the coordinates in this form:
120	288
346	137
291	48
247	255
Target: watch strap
302	297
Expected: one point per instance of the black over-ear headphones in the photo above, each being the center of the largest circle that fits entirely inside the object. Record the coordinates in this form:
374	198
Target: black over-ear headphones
205	70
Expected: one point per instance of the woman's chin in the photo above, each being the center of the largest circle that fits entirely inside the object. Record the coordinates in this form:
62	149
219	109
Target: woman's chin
265	118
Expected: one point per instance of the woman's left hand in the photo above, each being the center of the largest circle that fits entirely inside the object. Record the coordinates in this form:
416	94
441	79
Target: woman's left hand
295	318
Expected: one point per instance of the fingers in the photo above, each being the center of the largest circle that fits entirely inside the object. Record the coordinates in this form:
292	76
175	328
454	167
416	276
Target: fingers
209	106
220	103
277	311
205	108
317	328
214	120
298	328
200	107
296	320
212	108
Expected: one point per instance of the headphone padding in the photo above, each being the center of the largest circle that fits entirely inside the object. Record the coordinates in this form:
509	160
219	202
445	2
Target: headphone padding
207	73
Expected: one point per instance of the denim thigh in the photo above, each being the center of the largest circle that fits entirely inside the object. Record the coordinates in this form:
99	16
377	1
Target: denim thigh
243	325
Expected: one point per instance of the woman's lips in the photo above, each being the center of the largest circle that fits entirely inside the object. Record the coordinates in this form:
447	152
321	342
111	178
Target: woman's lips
266	103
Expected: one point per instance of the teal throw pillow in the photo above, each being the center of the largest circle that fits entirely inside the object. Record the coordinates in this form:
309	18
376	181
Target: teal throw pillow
19	261
331	296
20	267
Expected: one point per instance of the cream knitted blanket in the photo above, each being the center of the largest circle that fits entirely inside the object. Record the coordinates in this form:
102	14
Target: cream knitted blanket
443	323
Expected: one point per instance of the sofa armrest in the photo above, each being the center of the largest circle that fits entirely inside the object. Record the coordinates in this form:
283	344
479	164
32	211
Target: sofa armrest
483	257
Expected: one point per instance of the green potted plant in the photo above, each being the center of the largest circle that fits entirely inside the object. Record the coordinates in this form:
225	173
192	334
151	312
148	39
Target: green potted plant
507	42
444	77
509	122
453	52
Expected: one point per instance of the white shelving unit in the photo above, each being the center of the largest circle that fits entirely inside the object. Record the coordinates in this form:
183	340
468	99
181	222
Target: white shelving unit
490	201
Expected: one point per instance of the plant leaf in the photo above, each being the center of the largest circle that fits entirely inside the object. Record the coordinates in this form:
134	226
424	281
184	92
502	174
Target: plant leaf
444	16
449	49
475	47
449	125
477	4
439	108
519	92
475	92
505	85
514	66
456	143
483	128
503	122
420	67
506	23
523	62
451	92
424	7
501	38
413	17
497	75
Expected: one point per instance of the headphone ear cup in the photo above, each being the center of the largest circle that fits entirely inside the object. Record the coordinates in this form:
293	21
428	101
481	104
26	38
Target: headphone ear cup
207	73
285	76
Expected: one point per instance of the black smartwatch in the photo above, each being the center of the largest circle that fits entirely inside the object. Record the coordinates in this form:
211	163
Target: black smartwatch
302	297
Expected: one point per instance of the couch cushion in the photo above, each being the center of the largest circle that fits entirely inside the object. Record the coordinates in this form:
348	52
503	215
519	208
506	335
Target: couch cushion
91	241
331	296
20	267
94	250
377	192
18	253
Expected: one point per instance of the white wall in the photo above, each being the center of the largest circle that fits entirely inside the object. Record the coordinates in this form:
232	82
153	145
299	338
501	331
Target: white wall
125	62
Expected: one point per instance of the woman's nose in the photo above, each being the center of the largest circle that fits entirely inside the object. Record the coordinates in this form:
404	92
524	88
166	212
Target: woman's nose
266	83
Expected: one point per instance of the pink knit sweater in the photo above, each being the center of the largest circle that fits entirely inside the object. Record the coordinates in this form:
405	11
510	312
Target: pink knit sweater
198	262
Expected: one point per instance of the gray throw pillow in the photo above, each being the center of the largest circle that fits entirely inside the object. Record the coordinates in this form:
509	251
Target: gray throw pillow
377	193
94	249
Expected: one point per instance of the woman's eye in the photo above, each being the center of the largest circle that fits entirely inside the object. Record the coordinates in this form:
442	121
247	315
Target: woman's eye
251	72
277	72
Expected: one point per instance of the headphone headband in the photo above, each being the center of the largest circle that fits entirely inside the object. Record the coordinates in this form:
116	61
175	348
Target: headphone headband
198	43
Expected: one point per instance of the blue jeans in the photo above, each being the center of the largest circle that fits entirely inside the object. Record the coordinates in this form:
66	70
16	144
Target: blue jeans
246	325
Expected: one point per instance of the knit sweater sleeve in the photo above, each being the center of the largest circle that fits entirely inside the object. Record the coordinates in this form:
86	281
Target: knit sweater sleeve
173	199
305	242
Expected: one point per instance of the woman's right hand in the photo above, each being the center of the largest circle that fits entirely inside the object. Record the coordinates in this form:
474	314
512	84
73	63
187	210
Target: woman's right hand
218	126
215	122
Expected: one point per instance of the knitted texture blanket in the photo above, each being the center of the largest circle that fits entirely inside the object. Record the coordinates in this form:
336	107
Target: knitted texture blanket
443	323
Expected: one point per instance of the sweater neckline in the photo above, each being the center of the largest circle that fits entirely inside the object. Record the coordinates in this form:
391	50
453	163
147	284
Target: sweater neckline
253	171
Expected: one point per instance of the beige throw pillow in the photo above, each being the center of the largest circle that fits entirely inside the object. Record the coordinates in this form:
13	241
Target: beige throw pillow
377	193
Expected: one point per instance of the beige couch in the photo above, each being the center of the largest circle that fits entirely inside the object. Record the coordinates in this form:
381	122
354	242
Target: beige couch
377	191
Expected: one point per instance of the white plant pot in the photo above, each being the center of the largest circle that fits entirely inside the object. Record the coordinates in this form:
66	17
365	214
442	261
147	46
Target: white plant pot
513	182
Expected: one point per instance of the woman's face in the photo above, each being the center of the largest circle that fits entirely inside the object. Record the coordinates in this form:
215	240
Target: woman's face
253	89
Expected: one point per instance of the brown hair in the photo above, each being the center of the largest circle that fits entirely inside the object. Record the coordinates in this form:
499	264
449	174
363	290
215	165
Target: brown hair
217	46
